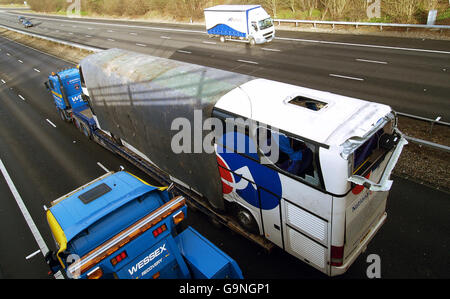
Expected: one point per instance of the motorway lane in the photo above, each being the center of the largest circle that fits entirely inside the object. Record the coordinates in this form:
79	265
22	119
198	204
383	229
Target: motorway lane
45	163
409	81
328	37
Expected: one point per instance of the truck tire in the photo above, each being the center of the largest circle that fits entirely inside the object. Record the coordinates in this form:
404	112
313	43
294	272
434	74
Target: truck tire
62	115
252	42
246	220
222	39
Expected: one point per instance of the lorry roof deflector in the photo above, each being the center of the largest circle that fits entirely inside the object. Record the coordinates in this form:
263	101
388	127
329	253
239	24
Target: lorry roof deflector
74	216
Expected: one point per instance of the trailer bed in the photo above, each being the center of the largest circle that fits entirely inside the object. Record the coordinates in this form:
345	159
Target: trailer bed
194	200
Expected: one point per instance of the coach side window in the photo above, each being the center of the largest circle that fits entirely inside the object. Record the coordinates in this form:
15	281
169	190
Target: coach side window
289	154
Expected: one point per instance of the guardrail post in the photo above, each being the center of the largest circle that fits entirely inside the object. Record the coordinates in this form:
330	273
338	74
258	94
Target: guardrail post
381	27
296	24
314	24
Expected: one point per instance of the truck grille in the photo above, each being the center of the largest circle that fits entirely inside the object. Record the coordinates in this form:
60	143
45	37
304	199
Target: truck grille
268	35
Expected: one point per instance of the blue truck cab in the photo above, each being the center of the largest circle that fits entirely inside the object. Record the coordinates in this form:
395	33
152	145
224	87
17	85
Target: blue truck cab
66	89
119	226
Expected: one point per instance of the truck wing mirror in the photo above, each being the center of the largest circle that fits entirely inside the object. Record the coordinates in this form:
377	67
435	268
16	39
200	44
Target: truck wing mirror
254	26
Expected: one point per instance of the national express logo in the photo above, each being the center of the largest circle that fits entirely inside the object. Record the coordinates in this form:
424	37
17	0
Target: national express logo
257	184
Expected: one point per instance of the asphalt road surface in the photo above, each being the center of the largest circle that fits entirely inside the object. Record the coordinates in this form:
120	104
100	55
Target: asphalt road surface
46	158
410	75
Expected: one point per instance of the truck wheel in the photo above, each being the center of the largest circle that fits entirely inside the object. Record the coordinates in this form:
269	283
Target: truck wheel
246	220
252	42
62	115
222	39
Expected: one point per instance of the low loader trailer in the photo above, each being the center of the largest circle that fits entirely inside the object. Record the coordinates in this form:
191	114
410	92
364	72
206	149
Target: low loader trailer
282	165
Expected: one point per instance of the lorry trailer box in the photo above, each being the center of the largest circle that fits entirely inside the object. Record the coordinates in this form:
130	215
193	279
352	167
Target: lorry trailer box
244	22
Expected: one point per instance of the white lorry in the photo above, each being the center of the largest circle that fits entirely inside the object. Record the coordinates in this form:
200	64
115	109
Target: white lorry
250	23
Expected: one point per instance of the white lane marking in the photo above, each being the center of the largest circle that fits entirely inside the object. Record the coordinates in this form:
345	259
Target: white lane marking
361	45
102	167
36	234
88	36
268	49
71	33
8	54
111	40
47	54
32	255
346	77
121	25
20	61
165	37
89	28
183	51
280	38
141	45
133	33
3	81
50	122
371	61
210	43
110	31
21	97
37	70
247	61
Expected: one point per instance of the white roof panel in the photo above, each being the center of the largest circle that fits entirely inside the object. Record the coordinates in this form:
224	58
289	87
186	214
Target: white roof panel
342	117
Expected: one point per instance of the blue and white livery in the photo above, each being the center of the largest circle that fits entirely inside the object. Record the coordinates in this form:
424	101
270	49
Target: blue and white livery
323	197
249	23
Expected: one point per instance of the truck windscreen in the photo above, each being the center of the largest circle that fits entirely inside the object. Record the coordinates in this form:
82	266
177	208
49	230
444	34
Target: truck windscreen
264	24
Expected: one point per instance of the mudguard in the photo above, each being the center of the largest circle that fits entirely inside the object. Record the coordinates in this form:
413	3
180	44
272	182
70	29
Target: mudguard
204	259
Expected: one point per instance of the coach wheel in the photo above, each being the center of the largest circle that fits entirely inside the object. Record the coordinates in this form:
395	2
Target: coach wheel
246	220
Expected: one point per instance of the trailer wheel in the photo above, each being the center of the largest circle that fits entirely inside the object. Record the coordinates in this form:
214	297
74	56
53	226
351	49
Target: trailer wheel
222	39
246	220
86	132
76	123
215	223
